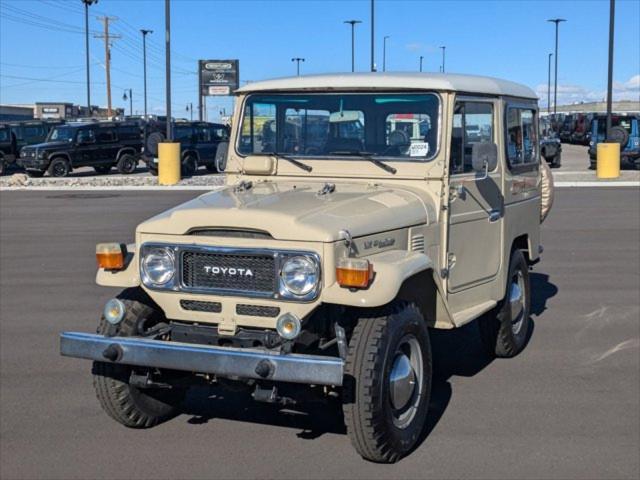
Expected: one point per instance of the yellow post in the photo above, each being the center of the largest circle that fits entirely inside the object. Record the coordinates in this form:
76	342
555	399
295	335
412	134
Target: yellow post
608	160
168	163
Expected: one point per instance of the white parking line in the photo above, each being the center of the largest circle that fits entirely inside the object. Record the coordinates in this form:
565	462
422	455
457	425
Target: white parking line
597	184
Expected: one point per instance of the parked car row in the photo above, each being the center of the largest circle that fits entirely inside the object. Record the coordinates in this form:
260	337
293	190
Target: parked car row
59	148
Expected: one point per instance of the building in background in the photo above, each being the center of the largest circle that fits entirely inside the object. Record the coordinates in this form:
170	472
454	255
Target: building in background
12	113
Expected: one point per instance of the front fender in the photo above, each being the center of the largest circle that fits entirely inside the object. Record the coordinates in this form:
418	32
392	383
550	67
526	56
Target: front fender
129	277
391	269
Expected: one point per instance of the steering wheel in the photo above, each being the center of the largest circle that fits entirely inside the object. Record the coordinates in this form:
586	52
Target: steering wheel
399	140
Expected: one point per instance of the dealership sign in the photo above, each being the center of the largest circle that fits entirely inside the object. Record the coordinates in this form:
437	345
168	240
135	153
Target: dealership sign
218	77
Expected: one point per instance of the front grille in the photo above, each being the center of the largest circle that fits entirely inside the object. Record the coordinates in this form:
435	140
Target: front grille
199	306
257	310
229	272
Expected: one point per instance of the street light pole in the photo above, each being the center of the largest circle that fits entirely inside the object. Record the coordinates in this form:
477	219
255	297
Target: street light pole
384	53
144	63
555	81
421	57
353	42
612	15
297	60
373	63
167	46
87	3
549	85
443	56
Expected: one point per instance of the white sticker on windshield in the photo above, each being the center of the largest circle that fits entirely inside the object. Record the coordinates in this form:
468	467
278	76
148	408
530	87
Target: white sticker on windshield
419	149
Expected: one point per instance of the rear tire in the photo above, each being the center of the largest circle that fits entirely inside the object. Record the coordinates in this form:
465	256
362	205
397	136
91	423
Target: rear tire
189	166
505	330
387	382
130	406
127	164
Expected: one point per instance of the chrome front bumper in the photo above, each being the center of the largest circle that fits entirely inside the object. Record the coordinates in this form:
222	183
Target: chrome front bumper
221	361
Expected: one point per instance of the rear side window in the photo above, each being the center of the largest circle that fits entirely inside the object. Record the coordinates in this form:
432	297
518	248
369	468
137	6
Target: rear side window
33	131
129	133
219	133
203	134
4	134
106	135
522	139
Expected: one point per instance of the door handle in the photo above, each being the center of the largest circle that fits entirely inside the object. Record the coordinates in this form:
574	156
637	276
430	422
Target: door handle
494	216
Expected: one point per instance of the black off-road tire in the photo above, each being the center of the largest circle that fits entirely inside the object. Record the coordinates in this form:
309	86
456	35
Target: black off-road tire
102	169
496	326
189	166
556	161
128	405
59	167
2	166
366	405
127	164
153	171
151	145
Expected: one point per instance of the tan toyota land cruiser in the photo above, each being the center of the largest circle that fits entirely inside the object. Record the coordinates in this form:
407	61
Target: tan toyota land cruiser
359	211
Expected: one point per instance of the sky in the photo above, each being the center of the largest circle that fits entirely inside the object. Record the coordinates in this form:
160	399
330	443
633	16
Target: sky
42	55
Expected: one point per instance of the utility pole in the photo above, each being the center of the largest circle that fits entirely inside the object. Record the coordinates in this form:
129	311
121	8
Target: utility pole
555	81
167	50
443	56
87	4
297	60
107	53
373	63
384	53
353	42
612	15
421	58
190	110
144	65
124	97
549	85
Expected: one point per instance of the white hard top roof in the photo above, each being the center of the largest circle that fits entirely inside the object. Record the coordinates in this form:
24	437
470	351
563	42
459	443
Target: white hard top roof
393	81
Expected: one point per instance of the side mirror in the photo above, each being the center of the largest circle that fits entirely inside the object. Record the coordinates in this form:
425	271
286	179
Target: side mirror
484	157
221	156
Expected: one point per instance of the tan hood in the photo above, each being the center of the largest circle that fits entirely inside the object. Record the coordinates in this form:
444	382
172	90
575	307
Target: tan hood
296	211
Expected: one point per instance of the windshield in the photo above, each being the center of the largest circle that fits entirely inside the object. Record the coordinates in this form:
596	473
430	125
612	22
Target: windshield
62	134
394	126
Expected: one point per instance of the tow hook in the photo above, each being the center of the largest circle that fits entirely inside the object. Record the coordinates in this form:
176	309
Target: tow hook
271	396
113	352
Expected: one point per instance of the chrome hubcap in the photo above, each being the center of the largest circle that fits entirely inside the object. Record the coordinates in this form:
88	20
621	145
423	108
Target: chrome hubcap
517	302
405	381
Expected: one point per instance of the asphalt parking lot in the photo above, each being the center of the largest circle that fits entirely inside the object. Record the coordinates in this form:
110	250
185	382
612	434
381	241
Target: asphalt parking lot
567	407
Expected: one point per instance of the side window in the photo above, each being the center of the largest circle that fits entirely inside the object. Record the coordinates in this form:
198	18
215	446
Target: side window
522	138
106	135
86	136
219	133
203	134
472	123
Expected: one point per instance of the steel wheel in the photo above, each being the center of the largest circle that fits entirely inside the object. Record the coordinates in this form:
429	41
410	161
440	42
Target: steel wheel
517	301
406	381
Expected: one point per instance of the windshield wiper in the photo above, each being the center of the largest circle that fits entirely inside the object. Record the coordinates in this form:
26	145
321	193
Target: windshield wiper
366	156
291	160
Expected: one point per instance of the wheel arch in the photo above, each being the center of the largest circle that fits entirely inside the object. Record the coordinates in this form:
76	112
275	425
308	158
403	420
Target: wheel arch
124	150
191	153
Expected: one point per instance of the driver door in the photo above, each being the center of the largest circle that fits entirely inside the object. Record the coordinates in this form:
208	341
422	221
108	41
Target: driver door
475	199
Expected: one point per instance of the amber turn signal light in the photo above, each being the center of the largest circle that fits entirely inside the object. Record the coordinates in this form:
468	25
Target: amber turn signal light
110	256
354	272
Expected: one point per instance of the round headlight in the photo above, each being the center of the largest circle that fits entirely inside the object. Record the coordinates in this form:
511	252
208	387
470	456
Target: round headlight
158	266
114	311
299	275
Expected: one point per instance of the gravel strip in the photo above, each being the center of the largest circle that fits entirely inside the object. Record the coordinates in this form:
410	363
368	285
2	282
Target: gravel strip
19	180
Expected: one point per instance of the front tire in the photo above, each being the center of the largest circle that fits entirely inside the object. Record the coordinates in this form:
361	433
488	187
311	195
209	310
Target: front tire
189	166
505	330
59	167
387	382
127	164
130	406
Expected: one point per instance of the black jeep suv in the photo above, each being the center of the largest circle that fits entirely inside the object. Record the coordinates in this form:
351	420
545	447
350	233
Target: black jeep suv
98	145
198	144
15	135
